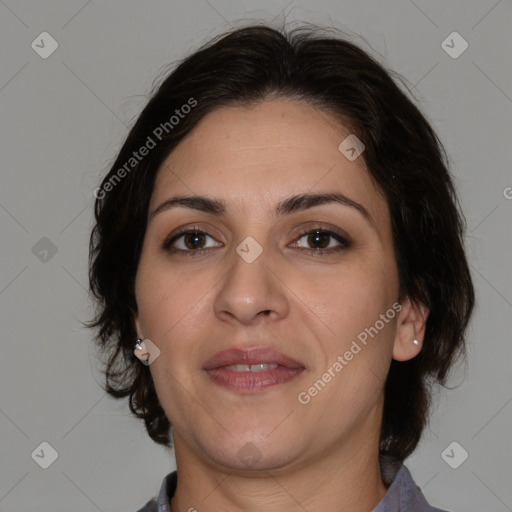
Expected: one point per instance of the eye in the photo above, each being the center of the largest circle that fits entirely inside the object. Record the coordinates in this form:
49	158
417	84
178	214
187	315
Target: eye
192	242
323	240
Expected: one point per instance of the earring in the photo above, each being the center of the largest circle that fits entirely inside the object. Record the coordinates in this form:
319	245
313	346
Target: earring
416	342
141	352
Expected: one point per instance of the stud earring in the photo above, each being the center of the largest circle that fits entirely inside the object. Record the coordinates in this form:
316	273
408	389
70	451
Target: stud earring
416	342
141	352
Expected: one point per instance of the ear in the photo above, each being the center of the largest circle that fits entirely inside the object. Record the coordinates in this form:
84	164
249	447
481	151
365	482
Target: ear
411	325
138	328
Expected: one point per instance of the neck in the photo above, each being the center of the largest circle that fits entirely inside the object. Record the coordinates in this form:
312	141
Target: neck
342	480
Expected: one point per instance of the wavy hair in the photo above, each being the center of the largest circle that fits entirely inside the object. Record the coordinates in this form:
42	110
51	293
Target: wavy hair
403	156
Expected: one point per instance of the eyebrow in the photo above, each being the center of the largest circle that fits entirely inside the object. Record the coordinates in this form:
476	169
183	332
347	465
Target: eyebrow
289	205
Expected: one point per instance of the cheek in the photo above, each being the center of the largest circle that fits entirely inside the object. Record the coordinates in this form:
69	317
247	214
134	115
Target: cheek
358	303
358	345
356	306
163	295
173	306
352	295
170	305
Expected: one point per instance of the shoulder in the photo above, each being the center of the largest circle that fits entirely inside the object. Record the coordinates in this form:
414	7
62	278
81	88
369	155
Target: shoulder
150	506
161	503
412	495
403	494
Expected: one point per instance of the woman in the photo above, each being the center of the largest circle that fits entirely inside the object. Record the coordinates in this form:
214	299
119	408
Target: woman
280	244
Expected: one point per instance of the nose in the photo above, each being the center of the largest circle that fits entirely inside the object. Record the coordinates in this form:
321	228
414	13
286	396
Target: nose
251	292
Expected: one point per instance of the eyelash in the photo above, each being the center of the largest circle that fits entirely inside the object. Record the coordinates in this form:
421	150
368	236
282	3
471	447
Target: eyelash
345	243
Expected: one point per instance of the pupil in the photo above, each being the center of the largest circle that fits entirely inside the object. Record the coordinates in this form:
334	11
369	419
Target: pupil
194	236
317	235
315	238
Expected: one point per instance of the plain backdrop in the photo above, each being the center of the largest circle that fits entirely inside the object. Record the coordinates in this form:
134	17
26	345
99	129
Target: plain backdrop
64	117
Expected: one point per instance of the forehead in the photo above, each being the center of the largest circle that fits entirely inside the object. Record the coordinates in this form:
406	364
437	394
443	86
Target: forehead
252	157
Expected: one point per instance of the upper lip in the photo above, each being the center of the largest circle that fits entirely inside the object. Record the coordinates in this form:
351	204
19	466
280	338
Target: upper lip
251	356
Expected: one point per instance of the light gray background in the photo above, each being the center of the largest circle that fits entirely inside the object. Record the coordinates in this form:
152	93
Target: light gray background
64	118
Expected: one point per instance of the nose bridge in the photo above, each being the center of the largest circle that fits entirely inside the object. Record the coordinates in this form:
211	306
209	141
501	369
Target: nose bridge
250	287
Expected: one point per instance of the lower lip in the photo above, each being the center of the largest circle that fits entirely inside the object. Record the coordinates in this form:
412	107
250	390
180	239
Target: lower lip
252	381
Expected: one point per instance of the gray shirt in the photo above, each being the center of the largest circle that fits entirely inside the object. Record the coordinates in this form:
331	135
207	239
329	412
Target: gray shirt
403	495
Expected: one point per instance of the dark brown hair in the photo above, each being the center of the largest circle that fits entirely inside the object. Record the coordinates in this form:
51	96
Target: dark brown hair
402	154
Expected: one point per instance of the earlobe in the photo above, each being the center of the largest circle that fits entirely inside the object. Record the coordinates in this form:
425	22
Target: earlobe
410	330
141	352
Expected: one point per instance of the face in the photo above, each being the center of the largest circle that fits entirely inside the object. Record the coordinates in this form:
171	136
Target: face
252	278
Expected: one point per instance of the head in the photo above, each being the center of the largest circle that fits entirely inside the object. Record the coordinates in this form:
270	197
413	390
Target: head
255	121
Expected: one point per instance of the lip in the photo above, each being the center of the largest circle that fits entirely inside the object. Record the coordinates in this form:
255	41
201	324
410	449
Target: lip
251	356
248	381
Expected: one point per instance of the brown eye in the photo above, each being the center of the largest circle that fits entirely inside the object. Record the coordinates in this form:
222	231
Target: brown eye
193	240
189	241
319	239
321	242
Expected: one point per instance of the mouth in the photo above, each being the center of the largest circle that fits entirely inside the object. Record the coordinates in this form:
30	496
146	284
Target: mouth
251	370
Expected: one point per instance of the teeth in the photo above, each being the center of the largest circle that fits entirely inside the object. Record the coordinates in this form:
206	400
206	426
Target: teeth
259	367
239	367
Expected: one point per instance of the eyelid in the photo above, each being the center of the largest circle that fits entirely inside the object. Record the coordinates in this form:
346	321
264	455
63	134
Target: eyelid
325	227
344	241
334	232
183	231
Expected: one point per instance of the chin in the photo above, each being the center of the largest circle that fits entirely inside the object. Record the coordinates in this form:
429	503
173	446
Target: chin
259	450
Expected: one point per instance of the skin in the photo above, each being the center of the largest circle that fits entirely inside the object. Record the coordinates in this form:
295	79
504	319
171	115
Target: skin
320	456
